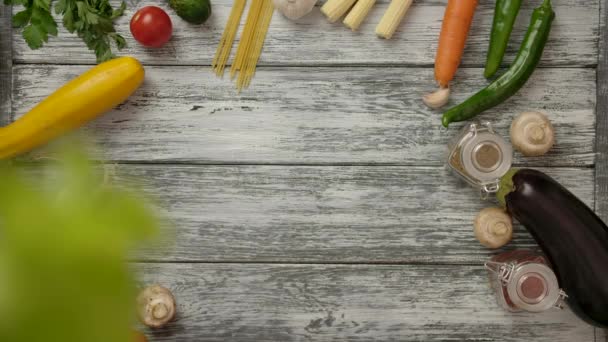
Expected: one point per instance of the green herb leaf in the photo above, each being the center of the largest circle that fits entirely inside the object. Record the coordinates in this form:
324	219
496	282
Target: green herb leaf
104	54
119	12
17	3
60	6
44	19
34	36
119	40
91	20
43	5
21	19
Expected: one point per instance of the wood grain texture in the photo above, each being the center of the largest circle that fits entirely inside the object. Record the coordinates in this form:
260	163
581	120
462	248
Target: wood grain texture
6	64
314	115
601	335
230	302
343	214
601	146
314	40
364	109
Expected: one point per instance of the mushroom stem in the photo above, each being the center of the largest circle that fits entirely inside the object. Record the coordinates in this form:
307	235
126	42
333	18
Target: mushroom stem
155	306
493	227
532	134
499	229
160	310
438	98
536	133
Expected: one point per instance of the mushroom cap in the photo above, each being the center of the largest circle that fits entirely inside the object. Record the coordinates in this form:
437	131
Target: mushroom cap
155	306
493	227
532	134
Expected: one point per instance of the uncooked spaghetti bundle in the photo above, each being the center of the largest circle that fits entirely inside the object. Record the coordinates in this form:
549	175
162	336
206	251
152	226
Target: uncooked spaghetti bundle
225	46
251	42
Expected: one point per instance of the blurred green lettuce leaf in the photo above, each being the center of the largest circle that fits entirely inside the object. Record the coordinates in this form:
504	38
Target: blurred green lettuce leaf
63	251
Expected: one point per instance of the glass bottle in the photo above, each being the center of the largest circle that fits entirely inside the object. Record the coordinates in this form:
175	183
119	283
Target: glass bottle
480	156
524	281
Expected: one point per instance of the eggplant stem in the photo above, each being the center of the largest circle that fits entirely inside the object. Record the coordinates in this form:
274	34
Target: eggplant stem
505	187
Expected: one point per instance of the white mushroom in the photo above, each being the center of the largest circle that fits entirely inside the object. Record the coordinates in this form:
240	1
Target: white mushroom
493	227
294	9
438	98
155	306
532	134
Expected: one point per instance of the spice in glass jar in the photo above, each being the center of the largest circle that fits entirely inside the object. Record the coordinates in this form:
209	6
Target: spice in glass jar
480	156
524	281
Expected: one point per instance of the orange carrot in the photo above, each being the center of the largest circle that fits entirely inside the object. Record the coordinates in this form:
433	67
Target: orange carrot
454	31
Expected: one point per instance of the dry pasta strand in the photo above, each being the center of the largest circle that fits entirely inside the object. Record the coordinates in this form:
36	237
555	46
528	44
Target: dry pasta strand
246	37
256	45
251	47
251	43
232	34
225	46
259	42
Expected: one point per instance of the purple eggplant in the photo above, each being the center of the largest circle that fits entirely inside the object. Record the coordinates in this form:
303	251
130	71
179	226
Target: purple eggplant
572	236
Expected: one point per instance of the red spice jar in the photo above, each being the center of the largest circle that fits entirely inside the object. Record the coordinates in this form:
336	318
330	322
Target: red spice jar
524	281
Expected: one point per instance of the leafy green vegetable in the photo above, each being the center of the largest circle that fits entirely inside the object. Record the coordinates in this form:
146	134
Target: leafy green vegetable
91	20
64	239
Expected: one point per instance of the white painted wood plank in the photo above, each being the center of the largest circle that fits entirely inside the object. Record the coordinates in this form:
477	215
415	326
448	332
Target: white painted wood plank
314	115
322	214
236	302
601	147
6	64
314	40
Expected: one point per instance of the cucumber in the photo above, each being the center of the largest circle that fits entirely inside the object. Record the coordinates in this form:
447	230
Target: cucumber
192	11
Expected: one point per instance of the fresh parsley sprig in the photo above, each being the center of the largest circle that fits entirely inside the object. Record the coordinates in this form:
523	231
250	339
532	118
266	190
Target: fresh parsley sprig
91	20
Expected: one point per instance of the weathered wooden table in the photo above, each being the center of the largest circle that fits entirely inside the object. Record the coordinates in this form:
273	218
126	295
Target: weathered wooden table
315	205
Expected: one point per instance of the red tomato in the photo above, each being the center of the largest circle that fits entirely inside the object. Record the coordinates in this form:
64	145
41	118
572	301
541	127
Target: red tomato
151	26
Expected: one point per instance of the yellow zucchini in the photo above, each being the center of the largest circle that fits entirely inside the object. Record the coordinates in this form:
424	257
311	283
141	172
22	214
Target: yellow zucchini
82	99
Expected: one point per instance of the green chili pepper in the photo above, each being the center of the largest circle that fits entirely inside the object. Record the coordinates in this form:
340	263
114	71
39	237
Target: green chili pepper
511	81
505	14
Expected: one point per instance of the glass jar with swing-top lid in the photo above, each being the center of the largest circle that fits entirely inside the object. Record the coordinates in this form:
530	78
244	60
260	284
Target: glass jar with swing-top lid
524	281
480	156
